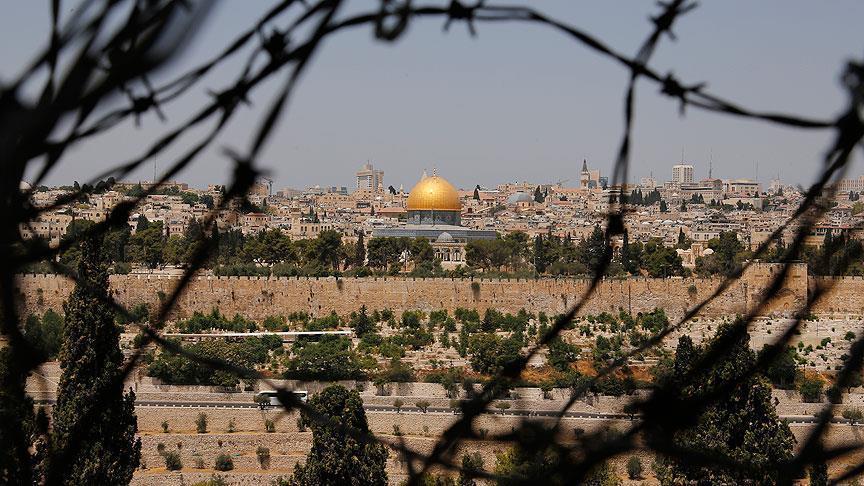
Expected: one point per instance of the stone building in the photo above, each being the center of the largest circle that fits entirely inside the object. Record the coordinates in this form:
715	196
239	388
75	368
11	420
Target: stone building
434	212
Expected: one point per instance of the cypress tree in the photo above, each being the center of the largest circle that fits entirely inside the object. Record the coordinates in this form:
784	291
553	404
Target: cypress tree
338	456
360	251
538	196
540	256
819	474
93	439
17	426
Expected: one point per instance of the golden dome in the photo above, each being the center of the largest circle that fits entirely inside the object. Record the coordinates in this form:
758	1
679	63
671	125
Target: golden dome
434	193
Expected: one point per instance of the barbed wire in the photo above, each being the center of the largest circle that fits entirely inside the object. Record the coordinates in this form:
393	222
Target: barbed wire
124	64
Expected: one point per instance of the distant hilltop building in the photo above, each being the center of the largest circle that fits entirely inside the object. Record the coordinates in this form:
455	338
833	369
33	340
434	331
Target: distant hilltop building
435	213
851	185
648	182
369	179
590	178
682	174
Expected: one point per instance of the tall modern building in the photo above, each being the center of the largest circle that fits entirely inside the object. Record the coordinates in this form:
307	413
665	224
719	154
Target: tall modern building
369	179
682	174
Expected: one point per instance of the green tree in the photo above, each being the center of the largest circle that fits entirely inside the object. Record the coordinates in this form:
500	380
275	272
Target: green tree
811	389
593	249
783	370
740	422
853	414
340	454
541	254
562	354
819	474
17	422
45	334
631	255
115	244
490	353
74	232
727	257
472	464
174	251
517	466
634	468
383	253
538	195
147	246
423	257
359	251
327	360
326	249
361	323
661	261
94	423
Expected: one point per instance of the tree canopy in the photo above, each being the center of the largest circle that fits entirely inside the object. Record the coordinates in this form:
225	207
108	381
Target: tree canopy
340	454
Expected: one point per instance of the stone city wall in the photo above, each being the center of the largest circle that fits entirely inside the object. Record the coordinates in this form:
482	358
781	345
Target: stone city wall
257	298
844	295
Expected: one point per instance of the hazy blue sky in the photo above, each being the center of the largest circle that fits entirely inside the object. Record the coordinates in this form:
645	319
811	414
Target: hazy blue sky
516	103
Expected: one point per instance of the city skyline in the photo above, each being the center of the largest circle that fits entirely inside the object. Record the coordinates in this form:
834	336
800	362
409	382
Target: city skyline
446	100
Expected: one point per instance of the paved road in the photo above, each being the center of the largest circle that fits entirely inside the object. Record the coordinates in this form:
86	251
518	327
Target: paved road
792	419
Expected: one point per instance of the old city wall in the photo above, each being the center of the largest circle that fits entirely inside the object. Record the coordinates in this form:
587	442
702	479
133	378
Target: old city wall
844	295
257	298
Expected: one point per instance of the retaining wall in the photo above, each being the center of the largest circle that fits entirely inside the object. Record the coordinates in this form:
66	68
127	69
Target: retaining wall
258	297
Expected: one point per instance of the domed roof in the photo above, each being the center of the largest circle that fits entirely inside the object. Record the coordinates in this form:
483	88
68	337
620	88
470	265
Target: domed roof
518	197
434	193
444	237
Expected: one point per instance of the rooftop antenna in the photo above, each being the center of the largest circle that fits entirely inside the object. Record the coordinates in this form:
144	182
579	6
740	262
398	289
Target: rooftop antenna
757	171
682	154
154	170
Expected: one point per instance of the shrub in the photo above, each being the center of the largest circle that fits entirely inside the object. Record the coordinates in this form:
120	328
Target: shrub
122	268
215	480
634	468
502	406
165	426
172	461
199	462
232	427
811	389
398	403
301	424
423	405
263	454
853	415
850	336
201	423
546	387
223	463
269	426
